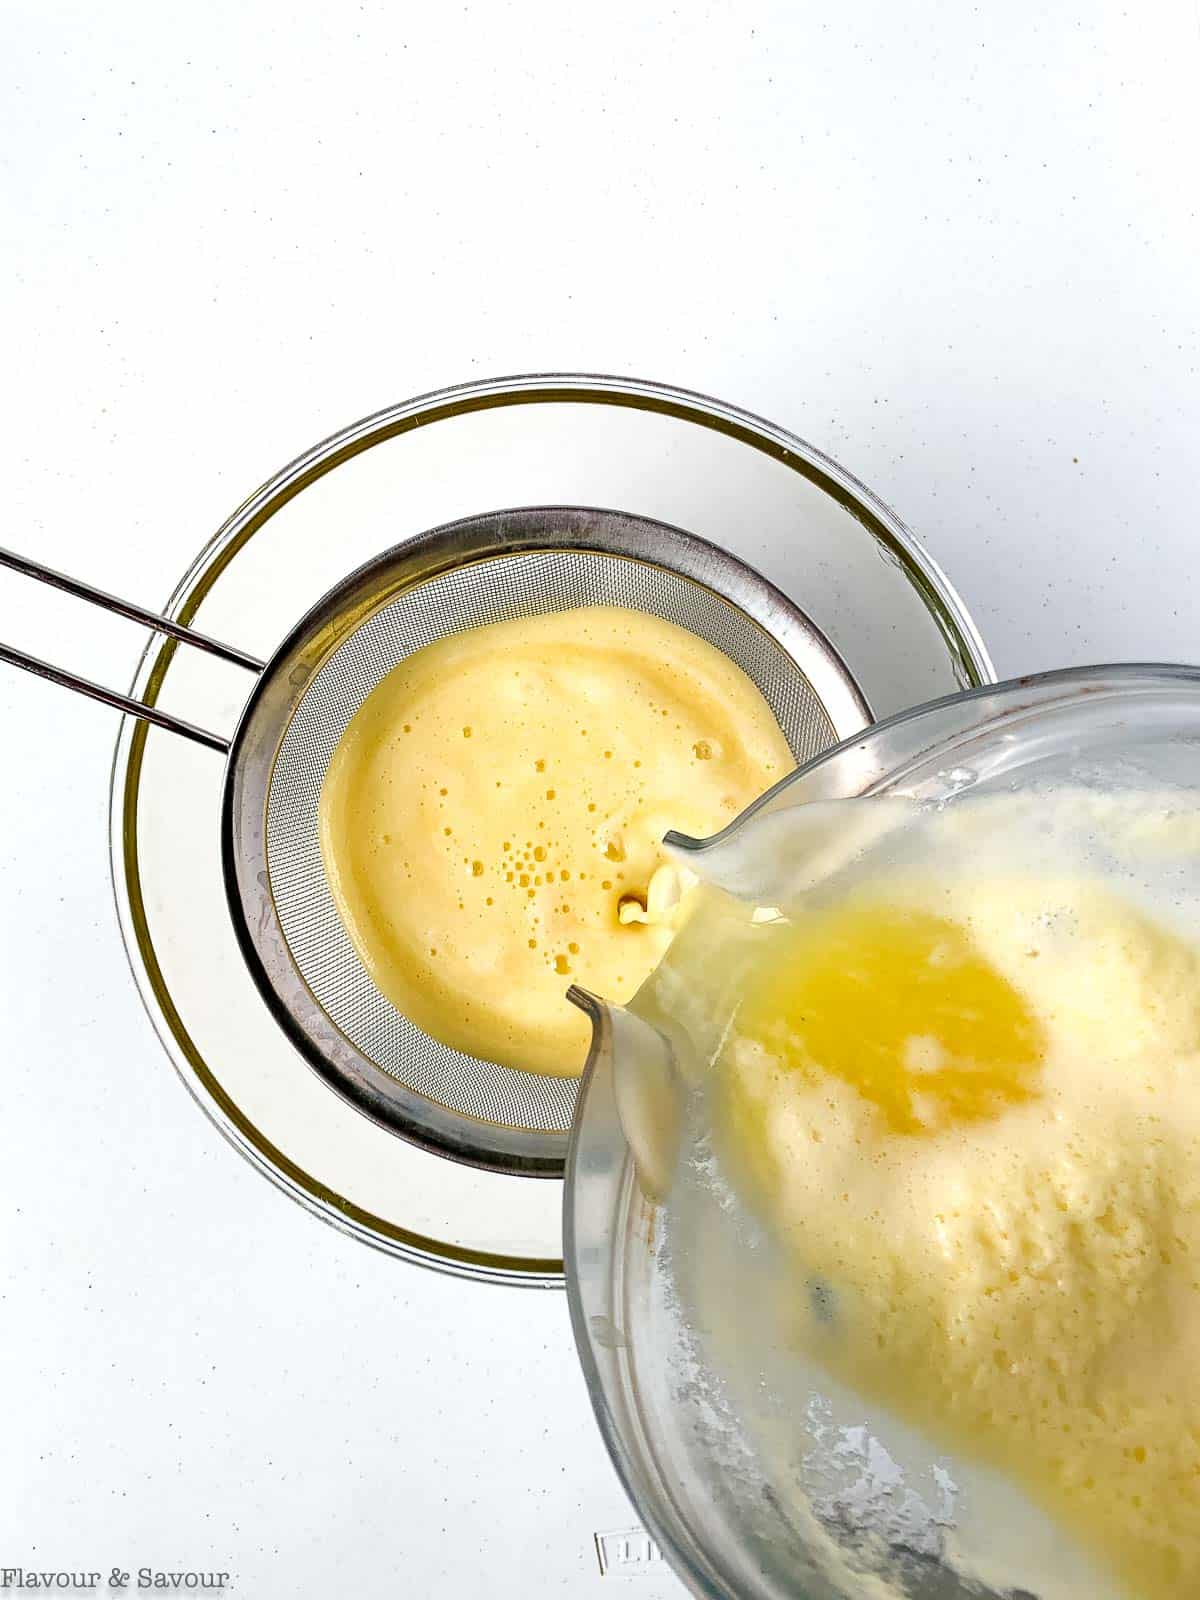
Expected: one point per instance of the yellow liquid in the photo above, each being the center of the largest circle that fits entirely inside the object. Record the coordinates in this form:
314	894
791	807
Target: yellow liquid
503	793
972	1112
898	1004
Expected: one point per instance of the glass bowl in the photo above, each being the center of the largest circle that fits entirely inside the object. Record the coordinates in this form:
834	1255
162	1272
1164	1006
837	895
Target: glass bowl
841	1500
743	484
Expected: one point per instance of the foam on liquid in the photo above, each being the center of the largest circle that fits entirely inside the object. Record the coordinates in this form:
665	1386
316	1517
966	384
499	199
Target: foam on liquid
491	821
962	1089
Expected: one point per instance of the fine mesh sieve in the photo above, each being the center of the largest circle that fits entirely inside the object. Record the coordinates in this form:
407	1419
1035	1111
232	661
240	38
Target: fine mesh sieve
480	570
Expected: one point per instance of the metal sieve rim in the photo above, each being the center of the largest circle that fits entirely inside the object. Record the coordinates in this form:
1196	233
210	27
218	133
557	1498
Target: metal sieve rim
278	694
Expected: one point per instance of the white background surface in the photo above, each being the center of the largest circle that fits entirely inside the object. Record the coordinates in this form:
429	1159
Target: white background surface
954	246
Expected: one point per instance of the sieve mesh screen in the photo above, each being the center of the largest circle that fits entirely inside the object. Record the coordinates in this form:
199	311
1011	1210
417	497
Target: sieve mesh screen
492	589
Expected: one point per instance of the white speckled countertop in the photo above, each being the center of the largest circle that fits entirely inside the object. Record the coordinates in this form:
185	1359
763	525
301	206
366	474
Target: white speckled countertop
954	246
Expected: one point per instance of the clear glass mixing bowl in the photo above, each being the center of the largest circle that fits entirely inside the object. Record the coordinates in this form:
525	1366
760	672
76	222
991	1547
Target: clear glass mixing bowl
744	484
850	1503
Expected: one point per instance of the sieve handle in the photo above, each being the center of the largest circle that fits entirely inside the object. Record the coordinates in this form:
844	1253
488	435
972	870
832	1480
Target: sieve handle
122	608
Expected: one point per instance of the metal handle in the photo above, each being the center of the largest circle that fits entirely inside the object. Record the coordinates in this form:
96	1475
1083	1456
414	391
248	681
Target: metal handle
123	608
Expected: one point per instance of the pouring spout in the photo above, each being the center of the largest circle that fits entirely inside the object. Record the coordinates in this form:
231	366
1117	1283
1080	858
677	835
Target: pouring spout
775	854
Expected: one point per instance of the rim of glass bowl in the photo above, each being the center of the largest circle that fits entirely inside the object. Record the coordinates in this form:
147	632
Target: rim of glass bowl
607	1169
962	640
